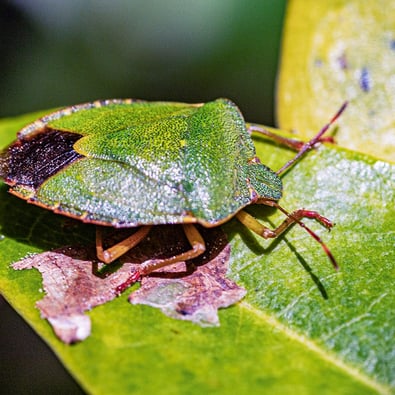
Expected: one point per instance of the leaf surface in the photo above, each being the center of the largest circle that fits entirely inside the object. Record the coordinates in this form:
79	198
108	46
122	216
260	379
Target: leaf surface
335	51
302	328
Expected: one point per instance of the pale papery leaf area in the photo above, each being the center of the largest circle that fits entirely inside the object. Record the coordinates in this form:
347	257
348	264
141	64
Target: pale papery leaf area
75	282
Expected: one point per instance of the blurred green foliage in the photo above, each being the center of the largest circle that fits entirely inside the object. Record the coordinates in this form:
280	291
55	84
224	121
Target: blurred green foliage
56	53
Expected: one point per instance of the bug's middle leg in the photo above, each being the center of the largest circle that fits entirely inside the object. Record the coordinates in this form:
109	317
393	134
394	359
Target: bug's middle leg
197	243
111	254
198	247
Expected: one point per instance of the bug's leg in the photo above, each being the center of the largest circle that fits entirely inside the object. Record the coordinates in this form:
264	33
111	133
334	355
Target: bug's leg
252	223
111	254
300	146
295	217
198	247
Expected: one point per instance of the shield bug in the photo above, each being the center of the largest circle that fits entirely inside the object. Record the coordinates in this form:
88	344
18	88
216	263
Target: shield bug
136	164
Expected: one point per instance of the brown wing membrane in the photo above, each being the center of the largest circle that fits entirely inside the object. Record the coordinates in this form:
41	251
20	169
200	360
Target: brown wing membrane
31	161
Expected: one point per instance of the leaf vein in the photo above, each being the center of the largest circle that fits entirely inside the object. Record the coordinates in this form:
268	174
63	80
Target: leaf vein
326	355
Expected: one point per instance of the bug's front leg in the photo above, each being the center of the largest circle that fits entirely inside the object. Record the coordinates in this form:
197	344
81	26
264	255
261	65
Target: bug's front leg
295	217
252	223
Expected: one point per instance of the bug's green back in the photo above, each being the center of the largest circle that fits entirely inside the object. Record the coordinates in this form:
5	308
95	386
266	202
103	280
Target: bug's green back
156	163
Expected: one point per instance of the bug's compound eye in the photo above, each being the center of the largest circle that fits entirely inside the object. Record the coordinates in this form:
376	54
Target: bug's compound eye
253	193
254	160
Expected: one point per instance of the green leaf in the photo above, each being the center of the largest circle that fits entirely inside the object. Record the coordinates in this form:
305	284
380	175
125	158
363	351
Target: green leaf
302	328
337	50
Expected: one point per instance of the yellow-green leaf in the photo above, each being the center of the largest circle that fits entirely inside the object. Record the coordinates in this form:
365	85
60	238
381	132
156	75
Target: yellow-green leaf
302	328
337	50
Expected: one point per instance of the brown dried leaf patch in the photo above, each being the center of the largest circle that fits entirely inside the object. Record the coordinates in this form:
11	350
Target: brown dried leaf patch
74	281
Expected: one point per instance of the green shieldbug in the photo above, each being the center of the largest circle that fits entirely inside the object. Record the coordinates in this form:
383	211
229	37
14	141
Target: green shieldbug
130	163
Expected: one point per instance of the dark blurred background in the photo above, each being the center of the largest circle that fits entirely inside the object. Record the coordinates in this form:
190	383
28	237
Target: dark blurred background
57	52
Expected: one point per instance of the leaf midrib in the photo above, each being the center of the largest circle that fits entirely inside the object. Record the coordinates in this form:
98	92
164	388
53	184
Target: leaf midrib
324	354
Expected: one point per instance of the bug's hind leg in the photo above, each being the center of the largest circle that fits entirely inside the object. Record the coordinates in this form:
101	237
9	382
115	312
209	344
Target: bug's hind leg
111	254
198	247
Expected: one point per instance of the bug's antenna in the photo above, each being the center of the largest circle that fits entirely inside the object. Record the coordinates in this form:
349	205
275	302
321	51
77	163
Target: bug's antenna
310	144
